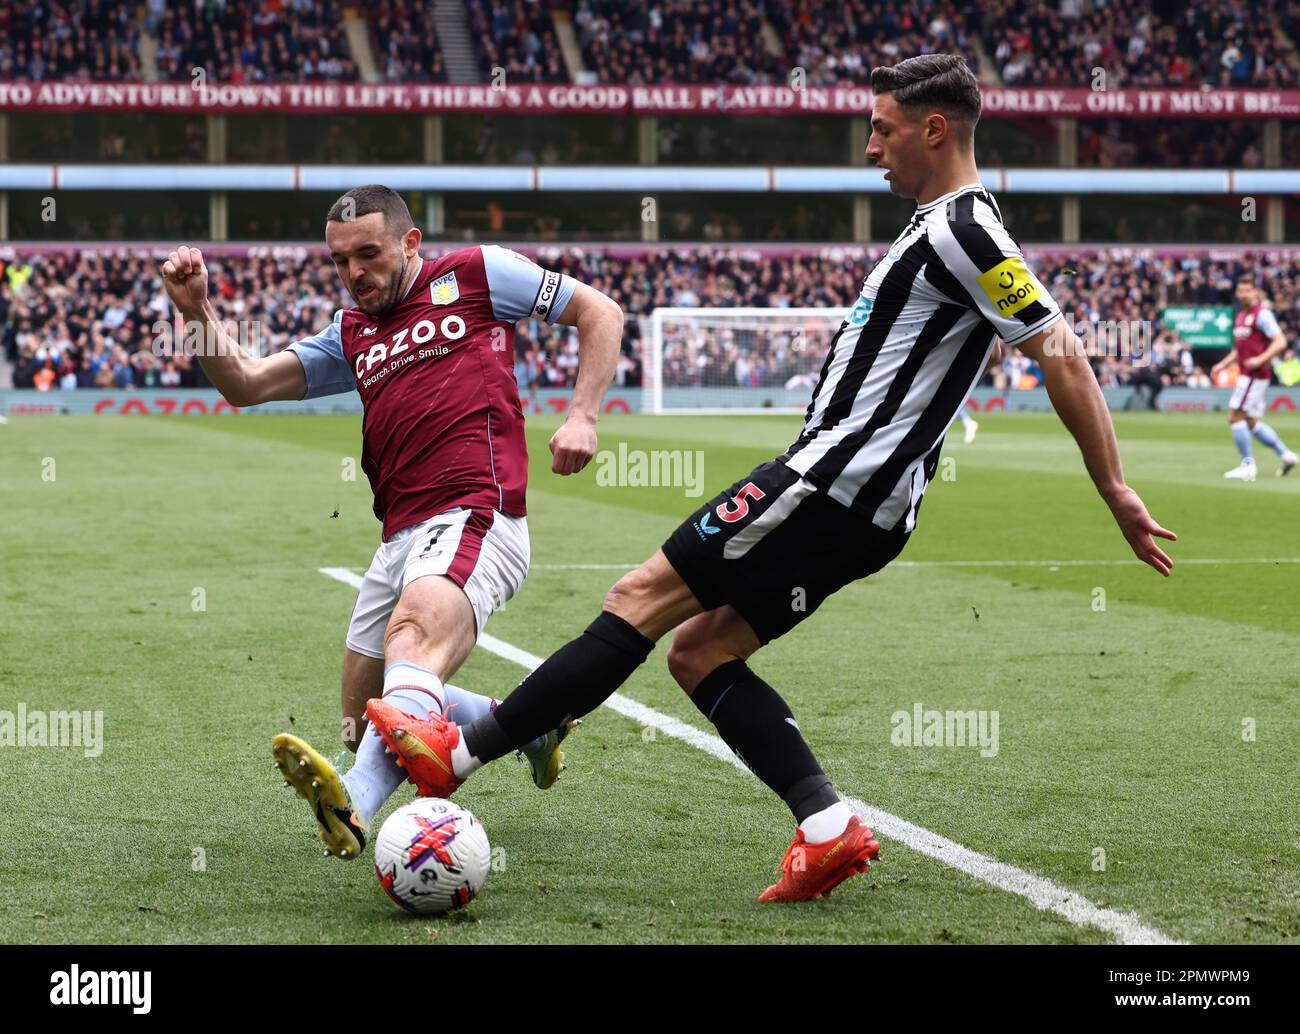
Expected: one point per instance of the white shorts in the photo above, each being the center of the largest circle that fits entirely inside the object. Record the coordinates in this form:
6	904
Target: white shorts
1249	396
484	552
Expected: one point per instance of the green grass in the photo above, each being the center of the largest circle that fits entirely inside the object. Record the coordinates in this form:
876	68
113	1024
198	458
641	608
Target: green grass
1120	729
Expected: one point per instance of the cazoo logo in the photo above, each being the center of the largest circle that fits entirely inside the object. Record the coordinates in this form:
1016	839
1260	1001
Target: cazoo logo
1010	286
451	327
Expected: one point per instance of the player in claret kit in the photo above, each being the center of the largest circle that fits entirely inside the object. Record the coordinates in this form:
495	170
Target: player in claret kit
1256	341
839	504
430	348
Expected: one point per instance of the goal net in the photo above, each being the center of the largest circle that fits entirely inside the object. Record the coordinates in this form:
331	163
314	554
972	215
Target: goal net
745	360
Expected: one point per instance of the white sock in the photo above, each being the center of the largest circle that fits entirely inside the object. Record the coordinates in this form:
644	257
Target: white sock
826	824
463	763
421	683
375	776
463	706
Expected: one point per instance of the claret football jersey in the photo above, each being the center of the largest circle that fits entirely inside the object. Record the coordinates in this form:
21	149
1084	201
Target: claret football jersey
1253	330
443	425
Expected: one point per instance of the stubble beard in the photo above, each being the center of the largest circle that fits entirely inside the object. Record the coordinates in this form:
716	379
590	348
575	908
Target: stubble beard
389	301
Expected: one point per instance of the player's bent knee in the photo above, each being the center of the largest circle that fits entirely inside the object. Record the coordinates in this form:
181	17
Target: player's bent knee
630	591
406	633
691	657
684	666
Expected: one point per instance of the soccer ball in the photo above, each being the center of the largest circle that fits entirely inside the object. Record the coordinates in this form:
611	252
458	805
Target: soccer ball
432	856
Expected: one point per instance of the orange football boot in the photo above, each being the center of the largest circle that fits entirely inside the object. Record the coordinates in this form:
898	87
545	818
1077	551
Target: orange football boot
813	870
423	746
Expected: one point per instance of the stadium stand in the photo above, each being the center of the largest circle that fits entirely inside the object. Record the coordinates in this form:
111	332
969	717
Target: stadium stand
264	41
677	41
518	37
406	43
1029	43
1012	42
1143	44
69	41
77	319
80	319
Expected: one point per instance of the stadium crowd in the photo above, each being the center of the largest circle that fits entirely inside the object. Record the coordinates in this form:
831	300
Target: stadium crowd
1193	43
518	36
101	40
406	45
86	319
261	41
725	40
64	40
101	319
1151	43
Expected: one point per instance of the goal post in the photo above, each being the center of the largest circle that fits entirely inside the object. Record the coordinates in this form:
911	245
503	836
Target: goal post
700	361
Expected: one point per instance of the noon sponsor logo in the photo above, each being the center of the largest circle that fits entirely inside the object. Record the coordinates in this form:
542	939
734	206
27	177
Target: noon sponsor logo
1010	286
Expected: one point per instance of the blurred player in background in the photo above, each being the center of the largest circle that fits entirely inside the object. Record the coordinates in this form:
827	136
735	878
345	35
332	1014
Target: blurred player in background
1256	341
430	348
970	427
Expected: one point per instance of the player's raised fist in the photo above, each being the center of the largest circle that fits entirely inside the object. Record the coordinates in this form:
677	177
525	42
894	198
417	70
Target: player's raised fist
573	445
186	278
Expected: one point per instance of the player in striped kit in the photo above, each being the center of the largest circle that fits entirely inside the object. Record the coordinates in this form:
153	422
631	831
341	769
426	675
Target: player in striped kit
840	503
1256	341
430	348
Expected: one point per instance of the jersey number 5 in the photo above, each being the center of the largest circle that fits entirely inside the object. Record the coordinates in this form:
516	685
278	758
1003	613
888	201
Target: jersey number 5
736	509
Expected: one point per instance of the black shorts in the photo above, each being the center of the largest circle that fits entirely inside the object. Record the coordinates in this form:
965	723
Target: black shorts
774	548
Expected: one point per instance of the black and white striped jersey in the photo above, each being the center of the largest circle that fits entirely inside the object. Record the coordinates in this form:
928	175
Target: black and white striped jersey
910	352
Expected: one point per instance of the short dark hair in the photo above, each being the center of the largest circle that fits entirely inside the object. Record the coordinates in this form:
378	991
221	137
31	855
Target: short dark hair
1245	278
939	82
367	200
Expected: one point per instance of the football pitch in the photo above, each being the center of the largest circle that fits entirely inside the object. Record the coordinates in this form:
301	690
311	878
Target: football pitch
167	572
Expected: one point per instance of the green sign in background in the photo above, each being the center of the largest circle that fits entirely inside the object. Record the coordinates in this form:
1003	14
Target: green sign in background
1200	326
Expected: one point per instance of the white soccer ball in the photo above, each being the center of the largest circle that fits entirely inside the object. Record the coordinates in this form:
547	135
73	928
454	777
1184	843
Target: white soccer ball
432	856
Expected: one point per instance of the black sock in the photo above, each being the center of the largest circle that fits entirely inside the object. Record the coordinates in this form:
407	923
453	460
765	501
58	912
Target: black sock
576	679
758	726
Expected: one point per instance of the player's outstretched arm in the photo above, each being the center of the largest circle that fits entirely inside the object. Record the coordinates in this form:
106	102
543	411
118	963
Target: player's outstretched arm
1225	362
1078	401
243	380
599	320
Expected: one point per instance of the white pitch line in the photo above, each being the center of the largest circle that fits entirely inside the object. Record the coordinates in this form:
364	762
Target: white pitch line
986	563
1091	563
1039	891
